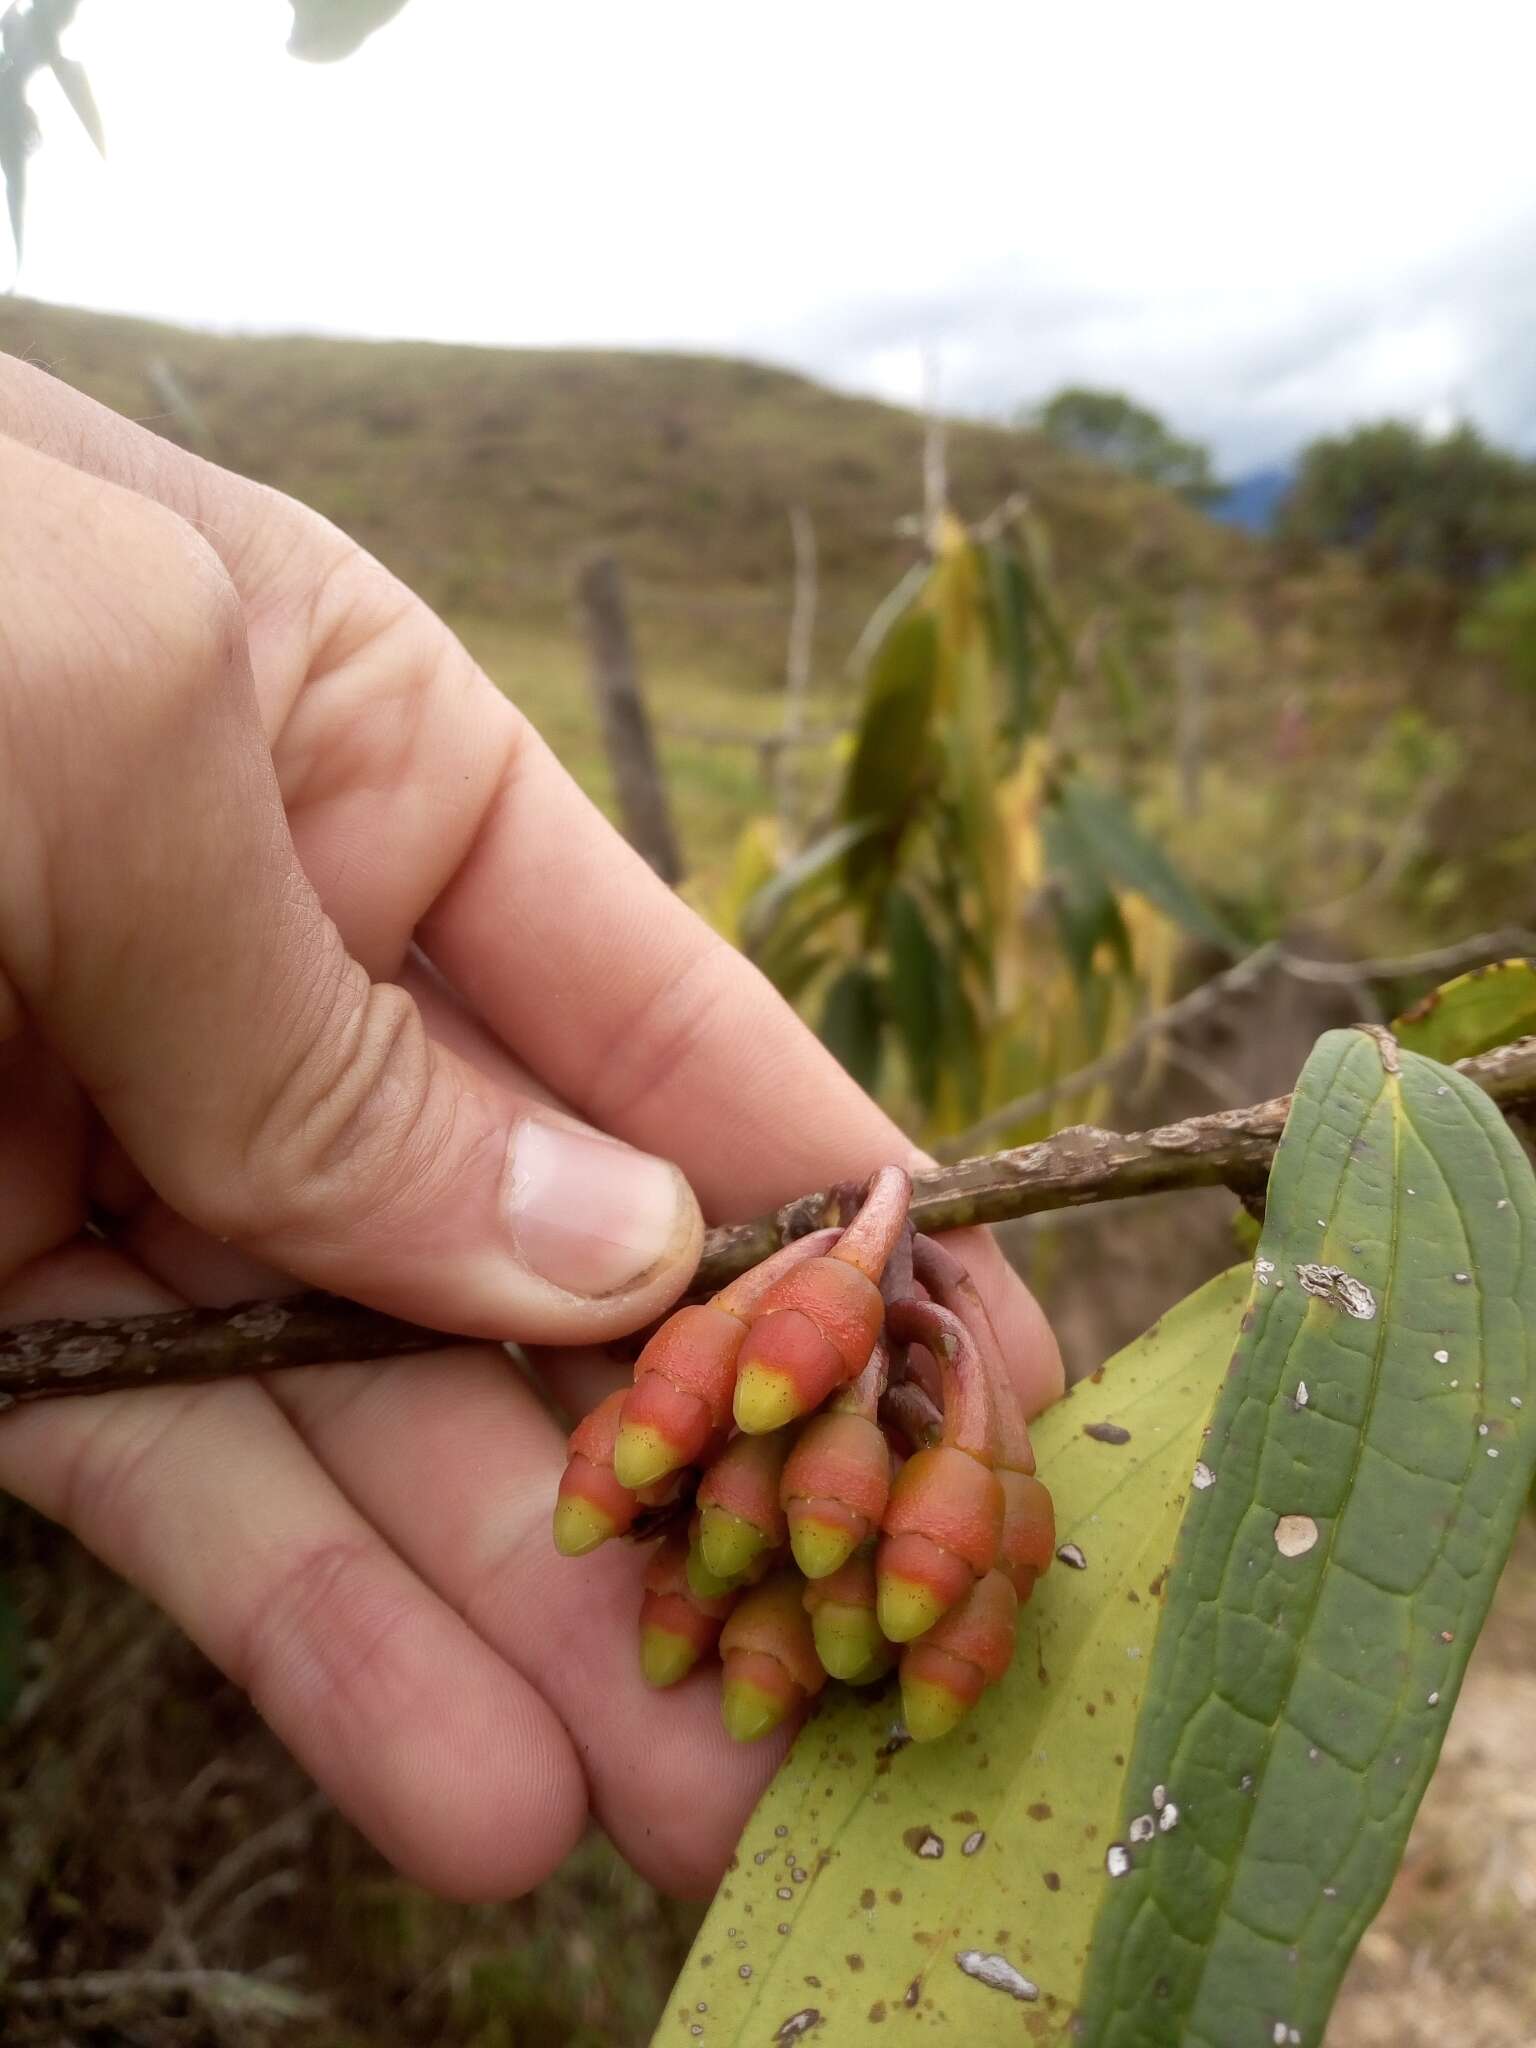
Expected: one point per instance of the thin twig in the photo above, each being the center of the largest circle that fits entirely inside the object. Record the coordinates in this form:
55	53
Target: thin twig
1209	994
1232	1148
290	1830
797	661
233	1988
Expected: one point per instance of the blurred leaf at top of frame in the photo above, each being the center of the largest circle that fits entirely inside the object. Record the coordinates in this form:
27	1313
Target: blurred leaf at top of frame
29	43
324	30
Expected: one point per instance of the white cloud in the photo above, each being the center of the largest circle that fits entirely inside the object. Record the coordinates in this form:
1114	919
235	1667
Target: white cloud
1265	223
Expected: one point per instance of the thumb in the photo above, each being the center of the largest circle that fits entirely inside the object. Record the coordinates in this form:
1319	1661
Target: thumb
158	930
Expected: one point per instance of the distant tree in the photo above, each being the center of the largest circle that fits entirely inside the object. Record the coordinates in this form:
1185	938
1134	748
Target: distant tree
1450	506
1107	426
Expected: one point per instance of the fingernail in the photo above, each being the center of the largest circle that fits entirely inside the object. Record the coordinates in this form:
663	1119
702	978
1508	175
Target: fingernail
589	1215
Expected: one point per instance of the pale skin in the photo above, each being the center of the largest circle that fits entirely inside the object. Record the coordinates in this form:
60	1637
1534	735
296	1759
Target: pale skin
310	952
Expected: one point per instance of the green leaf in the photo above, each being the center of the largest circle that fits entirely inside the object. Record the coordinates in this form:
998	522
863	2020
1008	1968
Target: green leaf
1082	902
1332	1577
1011	598
852	1022
816	863
871	1866
1137	862
914	990
1488	1007
965	1066
890	764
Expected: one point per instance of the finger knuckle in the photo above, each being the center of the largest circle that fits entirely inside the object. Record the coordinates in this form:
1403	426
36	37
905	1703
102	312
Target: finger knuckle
656	1044
132	608
320	1632
343	1133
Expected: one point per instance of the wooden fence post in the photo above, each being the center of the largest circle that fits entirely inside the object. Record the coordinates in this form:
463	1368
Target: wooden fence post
644	812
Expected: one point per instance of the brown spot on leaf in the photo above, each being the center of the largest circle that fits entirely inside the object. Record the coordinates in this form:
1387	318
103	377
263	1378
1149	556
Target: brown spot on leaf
964	1818
913	1992
894	1896
1040	1811
854	1962
1053	1880
867	1899
877	2011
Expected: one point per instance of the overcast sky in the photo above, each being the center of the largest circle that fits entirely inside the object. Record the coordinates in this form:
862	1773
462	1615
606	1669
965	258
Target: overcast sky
1265	219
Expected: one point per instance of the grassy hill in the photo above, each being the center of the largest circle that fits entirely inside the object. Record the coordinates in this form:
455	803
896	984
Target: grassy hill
483	475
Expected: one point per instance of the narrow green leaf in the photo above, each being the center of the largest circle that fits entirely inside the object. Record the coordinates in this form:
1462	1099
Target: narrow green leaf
852	1022
872	1868
1337	1562
1010	604
890	762
1082	902
914	990
1137	862
963	1062
815	863
1475	1012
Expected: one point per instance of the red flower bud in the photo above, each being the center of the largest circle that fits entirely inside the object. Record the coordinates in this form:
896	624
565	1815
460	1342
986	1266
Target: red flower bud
685	1375
1029	1524
592	1506
944	1674
677	1627
834	1490
771	1665
739	1512
814	1329
849	1641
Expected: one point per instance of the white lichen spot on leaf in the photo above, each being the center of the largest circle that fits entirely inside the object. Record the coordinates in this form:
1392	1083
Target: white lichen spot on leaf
997	1972
1295	1535
1339	1289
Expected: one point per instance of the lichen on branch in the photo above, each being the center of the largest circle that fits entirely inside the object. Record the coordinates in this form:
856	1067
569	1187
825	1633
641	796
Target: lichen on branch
1232	1148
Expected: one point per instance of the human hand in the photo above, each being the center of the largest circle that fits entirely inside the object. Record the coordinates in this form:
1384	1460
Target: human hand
316	967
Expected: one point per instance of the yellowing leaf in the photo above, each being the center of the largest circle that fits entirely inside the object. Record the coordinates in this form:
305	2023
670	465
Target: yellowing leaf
1490	1006
879	1877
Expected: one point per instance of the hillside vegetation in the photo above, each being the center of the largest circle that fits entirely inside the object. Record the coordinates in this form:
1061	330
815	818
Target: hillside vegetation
481	476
